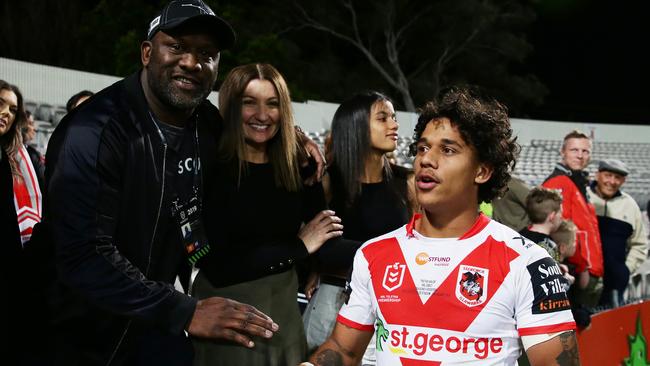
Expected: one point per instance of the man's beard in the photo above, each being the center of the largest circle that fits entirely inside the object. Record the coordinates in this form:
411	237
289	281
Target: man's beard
163	89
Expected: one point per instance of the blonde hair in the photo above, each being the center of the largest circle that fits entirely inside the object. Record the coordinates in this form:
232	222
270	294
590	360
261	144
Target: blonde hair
565	233
575	134
283	148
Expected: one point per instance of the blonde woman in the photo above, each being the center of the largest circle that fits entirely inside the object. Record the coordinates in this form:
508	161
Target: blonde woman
254	216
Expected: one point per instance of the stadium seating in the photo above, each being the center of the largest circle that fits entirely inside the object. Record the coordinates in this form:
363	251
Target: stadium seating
44	112
31	107
58	115
538	158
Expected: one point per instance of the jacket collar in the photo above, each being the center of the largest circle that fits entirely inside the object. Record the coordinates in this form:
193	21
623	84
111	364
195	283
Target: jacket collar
579	177
136	99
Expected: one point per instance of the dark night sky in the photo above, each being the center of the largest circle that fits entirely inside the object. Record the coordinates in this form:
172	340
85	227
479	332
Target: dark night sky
592	55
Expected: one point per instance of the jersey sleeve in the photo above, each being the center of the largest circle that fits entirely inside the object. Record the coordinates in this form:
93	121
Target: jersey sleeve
542	305
358	311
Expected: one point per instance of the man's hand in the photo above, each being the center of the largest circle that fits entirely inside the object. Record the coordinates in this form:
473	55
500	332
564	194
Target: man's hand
225	319
312	150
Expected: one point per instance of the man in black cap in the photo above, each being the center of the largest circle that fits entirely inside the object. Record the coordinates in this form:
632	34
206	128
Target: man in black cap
126	178
625	242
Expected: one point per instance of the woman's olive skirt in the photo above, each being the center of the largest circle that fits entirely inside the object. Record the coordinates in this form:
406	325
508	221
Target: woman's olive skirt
275	296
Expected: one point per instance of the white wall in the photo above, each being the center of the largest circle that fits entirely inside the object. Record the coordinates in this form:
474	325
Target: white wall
55	85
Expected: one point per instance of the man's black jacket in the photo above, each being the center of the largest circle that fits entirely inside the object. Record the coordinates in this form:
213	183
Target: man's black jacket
108	211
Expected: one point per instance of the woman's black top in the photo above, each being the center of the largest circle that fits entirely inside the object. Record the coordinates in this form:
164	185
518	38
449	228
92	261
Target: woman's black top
252	227
380	208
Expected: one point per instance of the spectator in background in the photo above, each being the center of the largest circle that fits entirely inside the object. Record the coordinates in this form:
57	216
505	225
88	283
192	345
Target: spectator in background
571	178
20	211
77	99
510	209
368	192
565	238
625	241
38	160
544	207
27	193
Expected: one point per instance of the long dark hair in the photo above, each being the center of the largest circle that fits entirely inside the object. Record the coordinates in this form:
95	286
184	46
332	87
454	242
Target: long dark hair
12	139
350	144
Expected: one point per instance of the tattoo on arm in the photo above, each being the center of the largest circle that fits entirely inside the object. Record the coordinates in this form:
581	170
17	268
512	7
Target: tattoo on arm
329	357
569	354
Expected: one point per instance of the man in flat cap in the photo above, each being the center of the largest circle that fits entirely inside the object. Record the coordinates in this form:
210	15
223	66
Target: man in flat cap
625	243
117	205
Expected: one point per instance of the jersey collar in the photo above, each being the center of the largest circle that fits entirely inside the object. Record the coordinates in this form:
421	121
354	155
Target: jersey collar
481	222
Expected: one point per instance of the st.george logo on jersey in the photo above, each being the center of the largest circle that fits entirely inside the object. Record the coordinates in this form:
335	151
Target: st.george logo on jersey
472	285
394	276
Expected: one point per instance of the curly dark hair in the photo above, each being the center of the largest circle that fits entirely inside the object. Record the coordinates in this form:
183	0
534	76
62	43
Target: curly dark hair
484	124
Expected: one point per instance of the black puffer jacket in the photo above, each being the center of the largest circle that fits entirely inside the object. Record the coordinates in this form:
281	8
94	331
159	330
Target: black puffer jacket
108	210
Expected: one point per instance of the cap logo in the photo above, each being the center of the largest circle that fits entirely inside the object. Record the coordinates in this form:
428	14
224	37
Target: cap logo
202	9
154	23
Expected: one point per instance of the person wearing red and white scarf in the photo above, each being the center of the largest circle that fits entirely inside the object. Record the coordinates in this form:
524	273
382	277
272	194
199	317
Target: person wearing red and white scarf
24	268
27	195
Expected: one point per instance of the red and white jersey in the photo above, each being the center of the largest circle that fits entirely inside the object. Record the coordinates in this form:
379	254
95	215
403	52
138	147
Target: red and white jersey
460	300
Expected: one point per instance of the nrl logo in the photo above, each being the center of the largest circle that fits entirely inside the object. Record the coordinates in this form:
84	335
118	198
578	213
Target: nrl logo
393	276
472	285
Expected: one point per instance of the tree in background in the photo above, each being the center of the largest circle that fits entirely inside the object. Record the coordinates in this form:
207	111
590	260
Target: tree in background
419	47
327	50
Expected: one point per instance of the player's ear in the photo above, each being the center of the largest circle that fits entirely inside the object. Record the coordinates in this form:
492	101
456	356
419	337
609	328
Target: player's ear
483	173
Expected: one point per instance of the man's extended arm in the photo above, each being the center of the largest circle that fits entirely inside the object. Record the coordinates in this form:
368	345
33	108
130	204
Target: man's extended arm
560	350
345	346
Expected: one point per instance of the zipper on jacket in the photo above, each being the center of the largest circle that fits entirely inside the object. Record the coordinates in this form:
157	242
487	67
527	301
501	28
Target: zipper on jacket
155	228
162	190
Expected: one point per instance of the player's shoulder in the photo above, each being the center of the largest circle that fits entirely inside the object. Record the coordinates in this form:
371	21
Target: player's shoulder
514	240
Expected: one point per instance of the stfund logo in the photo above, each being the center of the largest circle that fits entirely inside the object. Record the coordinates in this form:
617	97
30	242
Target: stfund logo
424	258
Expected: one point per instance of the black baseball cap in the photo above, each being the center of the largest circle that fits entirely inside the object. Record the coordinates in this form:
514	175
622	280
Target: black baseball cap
180	12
